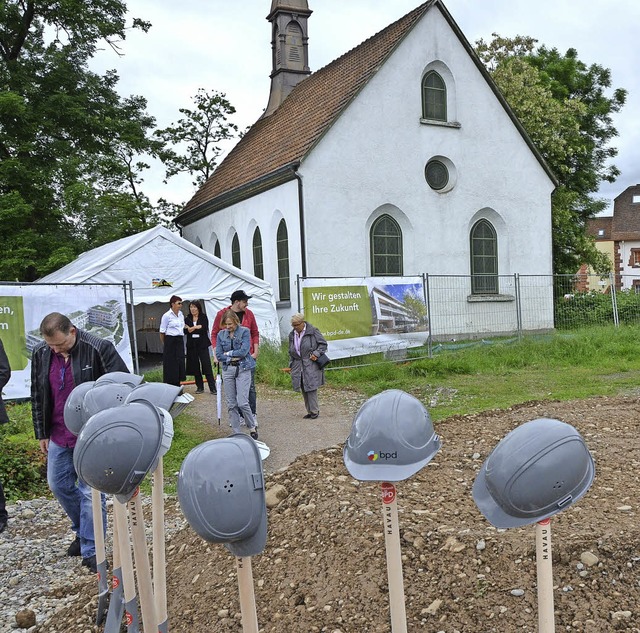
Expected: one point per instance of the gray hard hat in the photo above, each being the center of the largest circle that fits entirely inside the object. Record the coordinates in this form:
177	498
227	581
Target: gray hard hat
158	393
117	447
122	377
537	470
73	412
167	431
103	396
221	493
391	438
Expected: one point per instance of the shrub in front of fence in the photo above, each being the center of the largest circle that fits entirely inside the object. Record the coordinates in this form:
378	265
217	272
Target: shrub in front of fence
583	309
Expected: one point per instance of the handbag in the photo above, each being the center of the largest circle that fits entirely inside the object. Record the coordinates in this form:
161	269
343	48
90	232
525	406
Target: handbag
323	360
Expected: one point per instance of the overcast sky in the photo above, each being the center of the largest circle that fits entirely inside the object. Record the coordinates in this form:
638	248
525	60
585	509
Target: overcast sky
225	45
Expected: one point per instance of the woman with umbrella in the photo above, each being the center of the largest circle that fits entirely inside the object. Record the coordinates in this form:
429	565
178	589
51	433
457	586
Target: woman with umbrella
232	350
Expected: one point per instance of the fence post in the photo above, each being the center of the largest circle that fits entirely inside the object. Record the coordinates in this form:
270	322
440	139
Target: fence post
425	290
614	301
516	283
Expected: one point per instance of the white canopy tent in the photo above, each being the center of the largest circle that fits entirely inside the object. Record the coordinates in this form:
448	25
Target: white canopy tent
159	264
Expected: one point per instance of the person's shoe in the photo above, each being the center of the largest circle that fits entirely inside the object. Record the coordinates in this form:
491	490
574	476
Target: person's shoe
254	434
214	391
199	390
313	416
3	525
90	562
74	548
306	417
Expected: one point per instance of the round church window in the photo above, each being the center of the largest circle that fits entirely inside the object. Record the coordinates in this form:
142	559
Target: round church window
436	174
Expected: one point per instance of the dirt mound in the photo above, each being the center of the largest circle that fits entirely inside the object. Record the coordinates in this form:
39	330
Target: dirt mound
324	566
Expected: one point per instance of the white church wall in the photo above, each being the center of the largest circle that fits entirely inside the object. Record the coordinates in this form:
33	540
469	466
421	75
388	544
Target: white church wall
375	154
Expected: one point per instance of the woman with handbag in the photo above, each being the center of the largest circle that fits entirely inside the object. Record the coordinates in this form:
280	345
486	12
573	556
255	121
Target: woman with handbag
233	344
196	326
306	346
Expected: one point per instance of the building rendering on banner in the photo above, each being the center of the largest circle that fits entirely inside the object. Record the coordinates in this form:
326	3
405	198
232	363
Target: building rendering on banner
400	157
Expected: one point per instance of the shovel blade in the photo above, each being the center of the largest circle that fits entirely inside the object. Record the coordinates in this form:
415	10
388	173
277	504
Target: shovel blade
116	605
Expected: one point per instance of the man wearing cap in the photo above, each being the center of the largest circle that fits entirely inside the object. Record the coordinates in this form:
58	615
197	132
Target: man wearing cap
239	302
67	357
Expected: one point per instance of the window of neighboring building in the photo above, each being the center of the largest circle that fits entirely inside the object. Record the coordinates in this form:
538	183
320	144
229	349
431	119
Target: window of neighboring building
216	249
434	97
282	249
386	247
235	251
258	264
634	258
635	200
600	232
484	258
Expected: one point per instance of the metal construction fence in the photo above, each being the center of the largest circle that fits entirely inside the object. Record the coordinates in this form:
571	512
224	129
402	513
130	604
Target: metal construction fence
528	304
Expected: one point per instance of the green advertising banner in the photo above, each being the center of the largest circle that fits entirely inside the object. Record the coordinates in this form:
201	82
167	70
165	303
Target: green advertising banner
338	311
12	331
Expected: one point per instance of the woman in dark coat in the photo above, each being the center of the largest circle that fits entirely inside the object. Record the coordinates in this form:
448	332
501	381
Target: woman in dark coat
306	344
196	326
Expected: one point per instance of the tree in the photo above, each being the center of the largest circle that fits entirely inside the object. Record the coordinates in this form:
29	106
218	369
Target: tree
69	144
563	105
201	133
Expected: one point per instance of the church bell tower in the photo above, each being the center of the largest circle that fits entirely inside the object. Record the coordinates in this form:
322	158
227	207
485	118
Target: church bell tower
289	50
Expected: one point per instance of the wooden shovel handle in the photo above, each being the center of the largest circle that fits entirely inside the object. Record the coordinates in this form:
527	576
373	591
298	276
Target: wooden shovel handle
247	596
394	558
546	621
159	568
143	570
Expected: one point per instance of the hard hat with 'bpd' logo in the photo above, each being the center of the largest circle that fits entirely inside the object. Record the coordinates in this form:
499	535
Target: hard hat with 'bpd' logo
537	470
391	438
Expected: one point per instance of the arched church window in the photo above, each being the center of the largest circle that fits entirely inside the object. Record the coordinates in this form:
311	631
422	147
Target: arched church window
282	249
484	258
386	247
434	97
235	251
258	263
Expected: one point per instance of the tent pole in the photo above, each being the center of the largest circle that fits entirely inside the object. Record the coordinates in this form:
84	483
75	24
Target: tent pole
132	329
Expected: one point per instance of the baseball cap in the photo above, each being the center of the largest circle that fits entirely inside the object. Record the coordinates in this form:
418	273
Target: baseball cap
240	295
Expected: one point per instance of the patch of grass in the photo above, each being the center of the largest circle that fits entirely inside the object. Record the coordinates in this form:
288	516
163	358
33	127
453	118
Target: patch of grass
22	465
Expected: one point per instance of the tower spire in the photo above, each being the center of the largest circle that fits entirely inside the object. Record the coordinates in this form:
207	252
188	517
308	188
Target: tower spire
289	51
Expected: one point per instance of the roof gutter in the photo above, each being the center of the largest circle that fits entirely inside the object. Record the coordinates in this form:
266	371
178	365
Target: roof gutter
303	247
248	190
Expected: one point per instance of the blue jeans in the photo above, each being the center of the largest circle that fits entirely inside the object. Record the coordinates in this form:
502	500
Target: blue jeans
236	390
73	495
252	392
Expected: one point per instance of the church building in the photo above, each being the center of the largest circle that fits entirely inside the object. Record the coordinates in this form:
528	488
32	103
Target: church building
401	157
